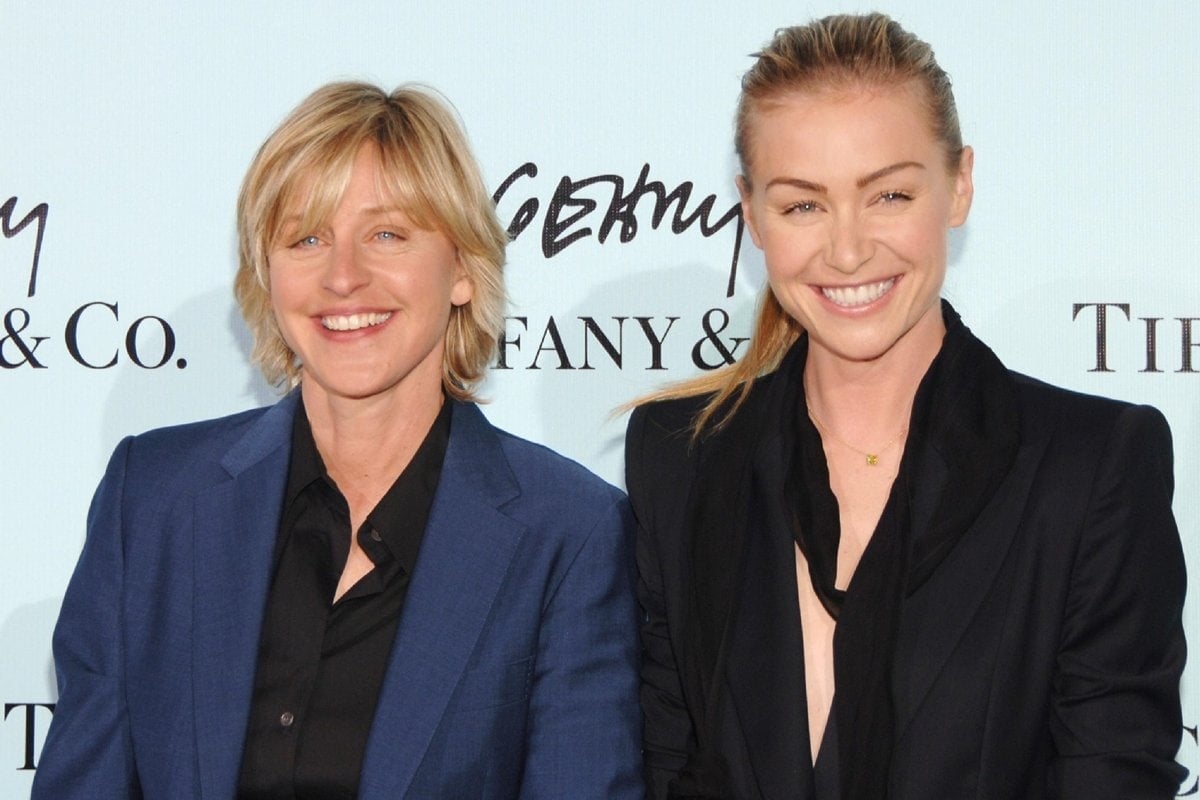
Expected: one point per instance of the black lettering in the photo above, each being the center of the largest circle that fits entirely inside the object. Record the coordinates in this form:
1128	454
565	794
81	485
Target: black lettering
71	334
1101	330
553	240
556	346
503	343
563	224
13	336
591	329
1195	787
656	341
131	342
711	336
1151	343
623	210
737	249
39	212
1188	343
30	729
528	210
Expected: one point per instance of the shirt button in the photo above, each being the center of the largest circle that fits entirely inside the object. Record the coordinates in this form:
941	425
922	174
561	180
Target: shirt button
286	719
376	536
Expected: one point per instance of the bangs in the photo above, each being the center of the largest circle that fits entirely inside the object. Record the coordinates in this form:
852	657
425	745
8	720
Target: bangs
315	179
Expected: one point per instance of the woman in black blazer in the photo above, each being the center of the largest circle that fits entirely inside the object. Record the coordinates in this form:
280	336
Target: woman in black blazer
874	562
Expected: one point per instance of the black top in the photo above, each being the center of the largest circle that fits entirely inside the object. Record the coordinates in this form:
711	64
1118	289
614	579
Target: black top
320	663
1038	654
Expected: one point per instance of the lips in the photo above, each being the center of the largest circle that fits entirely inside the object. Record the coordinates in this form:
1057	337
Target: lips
855	296
354	322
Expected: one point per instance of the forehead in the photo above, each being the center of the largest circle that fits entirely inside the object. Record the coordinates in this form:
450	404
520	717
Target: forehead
834	128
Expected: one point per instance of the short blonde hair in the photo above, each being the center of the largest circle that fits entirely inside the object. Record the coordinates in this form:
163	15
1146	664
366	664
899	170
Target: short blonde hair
427	166
837	52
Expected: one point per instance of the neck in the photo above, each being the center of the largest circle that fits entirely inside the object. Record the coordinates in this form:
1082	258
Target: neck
869	402
366	443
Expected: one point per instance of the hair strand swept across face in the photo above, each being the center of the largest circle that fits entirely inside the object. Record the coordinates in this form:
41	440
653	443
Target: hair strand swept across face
304	167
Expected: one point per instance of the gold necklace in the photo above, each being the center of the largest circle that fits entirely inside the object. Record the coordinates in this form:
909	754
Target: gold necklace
872	458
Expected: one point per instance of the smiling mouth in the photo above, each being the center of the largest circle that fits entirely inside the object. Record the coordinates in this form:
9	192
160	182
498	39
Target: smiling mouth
854	296
354	322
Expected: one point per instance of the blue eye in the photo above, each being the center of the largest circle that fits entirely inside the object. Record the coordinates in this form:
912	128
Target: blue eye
308	241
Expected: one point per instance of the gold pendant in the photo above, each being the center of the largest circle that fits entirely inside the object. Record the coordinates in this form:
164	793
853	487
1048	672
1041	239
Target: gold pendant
872	459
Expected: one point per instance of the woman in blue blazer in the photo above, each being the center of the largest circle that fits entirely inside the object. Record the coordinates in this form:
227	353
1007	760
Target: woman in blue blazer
874	562
365	590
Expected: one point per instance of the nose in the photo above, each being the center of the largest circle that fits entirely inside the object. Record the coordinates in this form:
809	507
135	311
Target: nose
346	271
848	247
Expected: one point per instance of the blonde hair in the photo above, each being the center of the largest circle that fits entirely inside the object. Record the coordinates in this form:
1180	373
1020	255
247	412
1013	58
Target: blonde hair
838	52
429	170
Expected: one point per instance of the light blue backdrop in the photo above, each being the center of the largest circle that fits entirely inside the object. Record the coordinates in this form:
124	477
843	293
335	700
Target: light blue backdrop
134	124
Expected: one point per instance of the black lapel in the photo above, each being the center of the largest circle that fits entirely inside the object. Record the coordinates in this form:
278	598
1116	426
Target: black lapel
966	426
741	590
766	660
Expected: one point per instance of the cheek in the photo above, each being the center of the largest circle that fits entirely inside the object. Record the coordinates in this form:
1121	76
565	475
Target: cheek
921	239
789	250
286	302
281	296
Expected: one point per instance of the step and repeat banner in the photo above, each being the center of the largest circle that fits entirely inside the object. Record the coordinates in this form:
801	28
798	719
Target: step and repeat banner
605	132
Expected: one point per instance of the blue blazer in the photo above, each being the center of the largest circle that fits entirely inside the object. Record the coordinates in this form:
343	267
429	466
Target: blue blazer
513	674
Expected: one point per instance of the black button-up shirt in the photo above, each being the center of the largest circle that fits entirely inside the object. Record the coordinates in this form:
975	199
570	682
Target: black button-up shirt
321	664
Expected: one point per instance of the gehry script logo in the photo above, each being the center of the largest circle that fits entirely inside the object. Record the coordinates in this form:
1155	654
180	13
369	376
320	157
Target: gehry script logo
37	214
571	215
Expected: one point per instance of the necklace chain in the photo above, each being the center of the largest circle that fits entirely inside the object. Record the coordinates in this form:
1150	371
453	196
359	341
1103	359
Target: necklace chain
872	458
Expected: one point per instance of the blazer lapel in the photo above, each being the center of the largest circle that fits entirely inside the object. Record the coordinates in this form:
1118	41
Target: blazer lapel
970	477
463	561
766	660
236	523
740	659
936	616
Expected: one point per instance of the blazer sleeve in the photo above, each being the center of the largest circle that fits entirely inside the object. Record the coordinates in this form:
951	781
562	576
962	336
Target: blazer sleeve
88	753
583	724
1115	717
668	736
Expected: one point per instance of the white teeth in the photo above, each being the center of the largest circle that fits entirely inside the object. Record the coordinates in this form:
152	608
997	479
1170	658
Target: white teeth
353	322
851	296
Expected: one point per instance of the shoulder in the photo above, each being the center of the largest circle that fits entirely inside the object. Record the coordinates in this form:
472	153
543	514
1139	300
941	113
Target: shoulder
551	473
661	432
544	481
1094	452
664	462
1052	411
194	454
203	435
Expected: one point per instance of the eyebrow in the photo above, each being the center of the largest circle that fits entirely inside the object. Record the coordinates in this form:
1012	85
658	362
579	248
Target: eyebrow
378	211
861	183
867	180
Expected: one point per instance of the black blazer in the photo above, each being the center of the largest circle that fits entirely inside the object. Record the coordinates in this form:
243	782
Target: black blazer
1041	658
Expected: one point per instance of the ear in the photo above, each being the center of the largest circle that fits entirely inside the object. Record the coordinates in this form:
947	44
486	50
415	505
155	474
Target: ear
964	188
463	290
745	192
